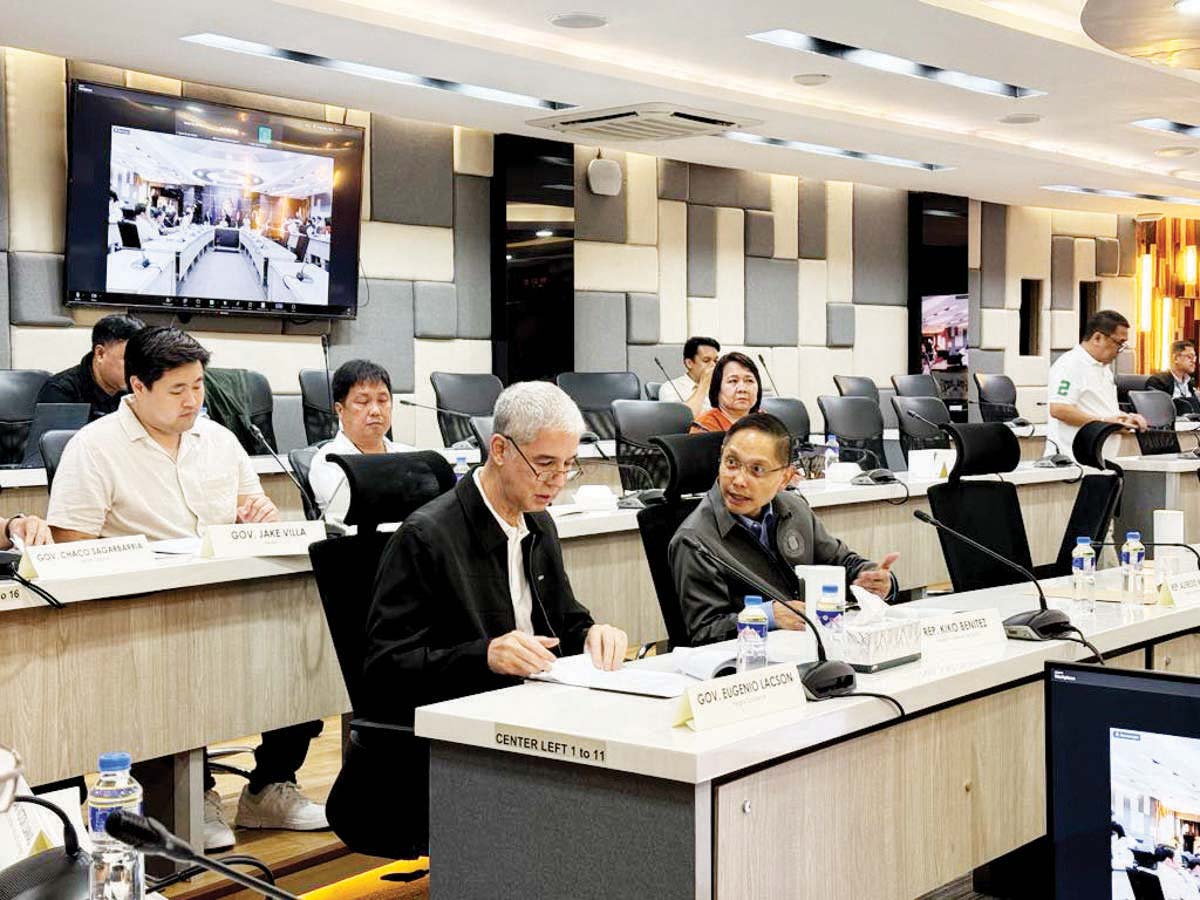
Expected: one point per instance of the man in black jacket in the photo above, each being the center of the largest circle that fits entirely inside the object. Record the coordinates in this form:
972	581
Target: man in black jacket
471	593
99	378
1180	380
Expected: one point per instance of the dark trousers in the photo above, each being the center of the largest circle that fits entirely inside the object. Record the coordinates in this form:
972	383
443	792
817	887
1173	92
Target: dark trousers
277	758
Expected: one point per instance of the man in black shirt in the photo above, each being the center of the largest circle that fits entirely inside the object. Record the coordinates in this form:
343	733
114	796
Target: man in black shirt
99	379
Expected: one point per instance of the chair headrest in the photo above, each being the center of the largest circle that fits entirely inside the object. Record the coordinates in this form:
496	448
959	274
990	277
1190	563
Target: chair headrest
692	460
387	487
1088	446
983	448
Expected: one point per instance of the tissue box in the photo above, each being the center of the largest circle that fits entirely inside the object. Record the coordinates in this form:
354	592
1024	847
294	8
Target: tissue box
879	645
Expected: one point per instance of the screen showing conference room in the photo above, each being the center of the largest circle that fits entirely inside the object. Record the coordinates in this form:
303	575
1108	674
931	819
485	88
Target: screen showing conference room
180	204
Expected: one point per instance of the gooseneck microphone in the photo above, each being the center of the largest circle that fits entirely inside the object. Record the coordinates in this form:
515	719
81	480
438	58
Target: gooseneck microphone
262	439
669	381
913	414
822	679
437	409
1056	460
770	377
1188	547
149	836
593	439
328	375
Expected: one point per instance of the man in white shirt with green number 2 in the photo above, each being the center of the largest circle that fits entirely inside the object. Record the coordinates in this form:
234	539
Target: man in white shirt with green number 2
1081	386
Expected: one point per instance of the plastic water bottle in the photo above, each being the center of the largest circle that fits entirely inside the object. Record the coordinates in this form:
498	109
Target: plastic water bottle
832	451
831	609
1083	573
460	467
116	872
751	635
1133	557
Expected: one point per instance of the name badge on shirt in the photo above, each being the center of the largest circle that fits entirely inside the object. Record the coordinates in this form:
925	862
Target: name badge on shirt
105	556
260	539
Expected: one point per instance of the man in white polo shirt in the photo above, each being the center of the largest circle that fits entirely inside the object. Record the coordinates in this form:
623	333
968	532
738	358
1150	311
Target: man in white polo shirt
1081	387
157	467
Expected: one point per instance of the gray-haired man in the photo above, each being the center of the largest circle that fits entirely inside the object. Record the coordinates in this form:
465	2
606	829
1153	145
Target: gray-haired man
471	593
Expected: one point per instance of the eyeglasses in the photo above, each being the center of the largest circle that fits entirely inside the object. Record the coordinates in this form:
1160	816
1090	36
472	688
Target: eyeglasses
1122	346
10	773
545	476
732	465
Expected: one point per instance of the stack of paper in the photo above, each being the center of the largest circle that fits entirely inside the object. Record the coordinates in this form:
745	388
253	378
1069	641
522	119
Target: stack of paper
579	672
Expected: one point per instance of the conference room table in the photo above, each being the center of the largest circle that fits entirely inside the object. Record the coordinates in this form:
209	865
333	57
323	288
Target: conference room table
1162	481
126	274
841	798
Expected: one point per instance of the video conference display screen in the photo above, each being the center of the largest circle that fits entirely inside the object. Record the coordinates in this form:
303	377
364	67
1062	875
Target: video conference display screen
1123	783
177	204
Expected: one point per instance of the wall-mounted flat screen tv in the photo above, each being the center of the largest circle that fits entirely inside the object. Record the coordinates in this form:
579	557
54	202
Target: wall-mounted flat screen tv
176	204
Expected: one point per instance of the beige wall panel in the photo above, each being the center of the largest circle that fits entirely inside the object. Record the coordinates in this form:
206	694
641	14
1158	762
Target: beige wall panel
278	356
36	109
1026	371
814	288
1064	329
404	420
672	272
731	274
336	114
406	252
159	84
785	366
1028	399
1001	329
362	119
817	366
880	349
1119	294
615	267
441	356
1085	260
975	233
52	349
785	203
641	199
839	240
472	151
1088	224
704	317
1027	252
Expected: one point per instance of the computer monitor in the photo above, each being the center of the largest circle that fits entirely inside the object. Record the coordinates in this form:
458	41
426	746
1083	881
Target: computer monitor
1122	782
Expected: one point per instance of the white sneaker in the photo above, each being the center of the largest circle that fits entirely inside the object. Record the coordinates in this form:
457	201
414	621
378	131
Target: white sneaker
280	805
217	833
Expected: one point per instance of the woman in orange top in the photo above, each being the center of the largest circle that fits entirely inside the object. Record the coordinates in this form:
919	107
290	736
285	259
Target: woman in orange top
733	393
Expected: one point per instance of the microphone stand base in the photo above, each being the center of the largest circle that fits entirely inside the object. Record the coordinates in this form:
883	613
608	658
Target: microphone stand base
832	678
1037	625
1057	461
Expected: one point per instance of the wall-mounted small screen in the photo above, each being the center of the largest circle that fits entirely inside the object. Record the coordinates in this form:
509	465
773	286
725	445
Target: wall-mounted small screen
183	205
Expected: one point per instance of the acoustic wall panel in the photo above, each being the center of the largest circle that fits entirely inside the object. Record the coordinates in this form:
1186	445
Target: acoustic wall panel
412	172
599	218
1001	329
701	251
987	362
1028	399
36	290
812	203
5	342
81	70
993	254
817	366
1108	257
731	275
753	190
1127	235
441	356
335	114
703	317
35	98
1026	371
785	209
641	199
877	352
404	420
362	119
1084	224
839	239
672	271
641	360
383	331
880	235
276	356
406	252
158	84
1064	330
473	255
615	267
1027	251
1063	289
814	288
785	367
760	234
1085	259
287	420
974	233
52	349
473	152
3	179
712	185
1119	294
435	310
642	318
599	326
974	307
839	324
303	108
771	308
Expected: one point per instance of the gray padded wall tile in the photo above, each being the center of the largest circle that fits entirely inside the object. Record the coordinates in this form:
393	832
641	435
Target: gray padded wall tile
287	417
412	172
1055	354
35	290
753	190
1062	272
81	70
303	108
599	324
760	234
1126	364
701	251
974	308
1127	236
993	234
599	218
674	179
641	360
987	362
712	185
309	326
435	310
839	324
472	255
3	174
1108	256
642	318
880	233
383	331
812	213
885	407
772	286
5	343
223	324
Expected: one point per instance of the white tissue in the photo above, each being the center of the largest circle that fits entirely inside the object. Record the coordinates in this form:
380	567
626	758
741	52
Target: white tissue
871	607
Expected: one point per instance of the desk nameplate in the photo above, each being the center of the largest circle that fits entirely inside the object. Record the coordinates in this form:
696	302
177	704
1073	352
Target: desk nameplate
105	556
260	539
958	631
735	698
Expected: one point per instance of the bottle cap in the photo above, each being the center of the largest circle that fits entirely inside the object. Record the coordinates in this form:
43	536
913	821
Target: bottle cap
1083	540
115	762
753	600
1133	535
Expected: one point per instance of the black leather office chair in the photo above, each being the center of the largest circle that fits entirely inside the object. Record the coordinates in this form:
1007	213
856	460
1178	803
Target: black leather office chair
997	397
52	444
1145	884
857	423
470	393
594	392
792	413
386	767
1159	411
692	461
652	389
316	400
301	460
1096	504
915	434
262	406
482	429
916	386
857	386
1127	383
637	421
18	399
985	510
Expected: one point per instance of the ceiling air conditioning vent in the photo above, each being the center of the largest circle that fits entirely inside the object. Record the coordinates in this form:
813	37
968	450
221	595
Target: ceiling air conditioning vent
642	122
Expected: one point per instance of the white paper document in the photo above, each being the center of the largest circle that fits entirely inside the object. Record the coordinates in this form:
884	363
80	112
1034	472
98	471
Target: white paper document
176	547
579	671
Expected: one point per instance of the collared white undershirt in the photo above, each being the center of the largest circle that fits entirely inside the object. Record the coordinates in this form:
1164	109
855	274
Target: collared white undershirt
518	584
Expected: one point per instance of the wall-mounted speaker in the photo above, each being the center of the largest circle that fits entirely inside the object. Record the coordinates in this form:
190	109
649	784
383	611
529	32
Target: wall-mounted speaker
604	177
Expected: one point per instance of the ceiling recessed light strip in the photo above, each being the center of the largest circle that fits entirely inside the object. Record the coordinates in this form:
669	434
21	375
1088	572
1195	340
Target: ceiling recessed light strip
1168	126
1119	195
886	62
376	73
823	150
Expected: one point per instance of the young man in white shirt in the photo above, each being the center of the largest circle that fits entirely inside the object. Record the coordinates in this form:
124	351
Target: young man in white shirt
700	354
362	399
157	467
1081	387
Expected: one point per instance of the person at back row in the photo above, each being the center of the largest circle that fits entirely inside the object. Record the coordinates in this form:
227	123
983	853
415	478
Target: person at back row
99	378
157	467
735	391
691	388
1180	379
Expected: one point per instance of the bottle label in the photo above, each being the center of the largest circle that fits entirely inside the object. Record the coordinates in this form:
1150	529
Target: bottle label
759	629
828	618
1133	557
98	815
1083	563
